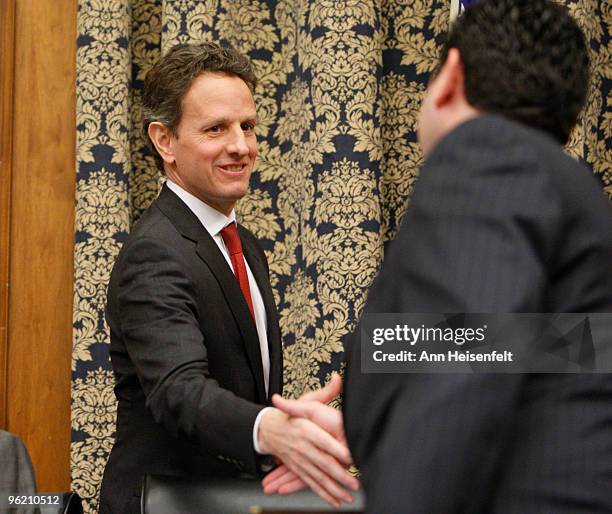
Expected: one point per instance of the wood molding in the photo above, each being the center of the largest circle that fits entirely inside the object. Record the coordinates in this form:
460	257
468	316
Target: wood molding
7	58
42	236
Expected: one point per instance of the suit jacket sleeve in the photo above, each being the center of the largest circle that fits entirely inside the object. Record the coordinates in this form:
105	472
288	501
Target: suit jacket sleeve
160	325
475	239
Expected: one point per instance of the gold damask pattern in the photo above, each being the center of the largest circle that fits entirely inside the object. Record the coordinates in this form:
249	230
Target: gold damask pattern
102	220
592	137
340	86
145	51
93	412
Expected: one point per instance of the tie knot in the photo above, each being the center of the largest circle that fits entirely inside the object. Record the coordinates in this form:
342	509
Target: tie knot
231	238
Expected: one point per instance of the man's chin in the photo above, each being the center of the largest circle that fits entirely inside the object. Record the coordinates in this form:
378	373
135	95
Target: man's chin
230	199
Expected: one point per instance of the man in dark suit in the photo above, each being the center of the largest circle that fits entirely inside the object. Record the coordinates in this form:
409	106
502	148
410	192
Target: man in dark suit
195	343
501	220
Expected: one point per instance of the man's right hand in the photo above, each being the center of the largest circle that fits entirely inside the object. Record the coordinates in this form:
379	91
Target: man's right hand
310	452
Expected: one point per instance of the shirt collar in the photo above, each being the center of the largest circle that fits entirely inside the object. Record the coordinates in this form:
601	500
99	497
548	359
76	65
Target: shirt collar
212	220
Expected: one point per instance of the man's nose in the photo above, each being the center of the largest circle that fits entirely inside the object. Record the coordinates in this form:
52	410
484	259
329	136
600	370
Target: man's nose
237	143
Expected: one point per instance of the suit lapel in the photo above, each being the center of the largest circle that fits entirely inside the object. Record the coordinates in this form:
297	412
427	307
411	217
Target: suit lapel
209	252
263	282
190	227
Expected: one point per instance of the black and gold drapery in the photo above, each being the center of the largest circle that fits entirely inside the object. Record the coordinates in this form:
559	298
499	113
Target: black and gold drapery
340	86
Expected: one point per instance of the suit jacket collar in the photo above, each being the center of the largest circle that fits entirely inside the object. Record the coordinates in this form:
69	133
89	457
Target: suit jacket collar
190	227
212	220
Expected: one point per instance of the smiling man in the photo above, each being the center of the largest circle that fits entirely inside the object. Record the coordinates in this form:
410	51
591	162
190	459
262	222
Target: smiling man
195	343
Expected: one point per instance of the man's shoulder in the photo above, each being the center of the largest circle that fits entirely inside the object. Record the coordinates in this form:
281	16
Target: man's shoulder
499	136
489	143
153	223
153	230
506	168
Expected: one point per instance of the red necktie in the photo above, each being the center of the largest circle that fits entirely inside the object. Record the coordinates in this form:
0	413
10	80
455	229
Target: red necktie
231	238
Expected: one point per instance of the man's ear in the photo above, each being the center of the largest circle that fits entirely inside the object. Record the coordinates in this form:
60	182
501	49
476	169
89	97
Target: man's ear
450	84
161	136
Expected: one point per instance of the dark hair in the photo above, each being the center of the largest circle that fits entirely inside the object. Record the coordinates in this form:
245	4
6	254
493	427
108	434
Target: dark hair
526	60
171	77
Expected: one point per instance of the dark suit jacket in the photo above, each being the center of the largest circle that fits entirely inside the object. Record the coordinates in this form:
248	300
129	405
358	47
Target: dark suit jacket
185	354
501	220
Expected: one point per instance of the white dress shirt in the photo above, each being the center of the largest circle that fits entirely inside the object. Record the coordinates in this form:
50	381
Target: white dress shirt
214	221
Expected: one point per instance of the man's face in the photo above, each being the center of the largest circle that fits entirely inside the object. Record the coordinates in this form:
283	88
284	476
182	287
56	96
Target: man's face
214	146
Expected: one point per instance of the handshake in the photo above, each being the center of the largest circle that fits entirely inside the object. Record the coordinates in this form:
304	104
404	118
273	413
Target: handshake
307	438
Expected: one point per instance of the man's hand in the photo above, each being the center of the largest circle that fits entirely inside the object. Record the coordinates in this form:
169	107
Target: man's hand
328	418
282	481
293	476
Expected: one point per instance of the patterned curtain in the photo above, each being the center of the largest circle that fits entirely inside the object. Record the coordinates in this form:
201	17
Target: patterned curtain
592	138
340	86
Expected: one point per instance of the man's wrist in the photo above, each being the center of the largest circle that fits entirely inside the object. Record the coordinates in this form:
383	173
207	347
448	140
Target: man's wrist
271	434
256	425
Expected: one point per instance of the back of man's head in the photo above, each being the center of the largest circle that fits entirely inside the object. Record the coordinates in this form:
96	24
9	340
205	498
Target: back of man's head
525	60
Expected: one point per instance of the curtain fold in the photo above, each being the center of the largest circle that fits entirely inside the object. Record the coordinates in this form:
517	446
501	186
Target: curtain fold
592	138
340	86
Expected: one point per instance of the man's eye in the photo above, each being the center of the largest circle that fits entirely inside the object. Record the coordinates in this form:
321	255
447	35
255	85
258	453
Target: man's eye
214	128
248	126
